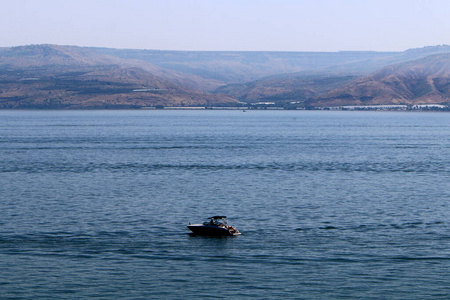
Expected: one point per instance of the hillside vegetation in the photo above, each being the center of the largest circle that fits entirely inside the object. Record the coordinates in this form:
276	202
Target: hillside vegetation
48	76
425	80
52	76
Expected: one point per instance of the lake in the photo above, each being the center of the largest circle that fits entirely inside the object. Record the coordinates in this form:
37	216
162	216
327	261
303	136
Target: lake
331	205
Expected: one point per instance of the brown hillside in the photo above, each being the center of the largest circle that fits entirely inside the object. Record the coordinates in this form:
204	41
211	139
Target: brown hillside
48	76
426	80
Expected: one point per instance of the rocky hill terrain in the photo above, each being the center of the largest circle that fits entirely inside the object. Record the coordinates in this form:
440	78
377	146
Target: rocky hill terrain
49	76
241	67
288	88
307	85
425	80
70	77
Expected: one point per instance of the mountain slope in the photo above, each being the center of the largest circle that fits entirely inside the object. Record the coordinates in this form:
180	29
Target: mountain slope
49	76
287	88
237	67
301	86
426	80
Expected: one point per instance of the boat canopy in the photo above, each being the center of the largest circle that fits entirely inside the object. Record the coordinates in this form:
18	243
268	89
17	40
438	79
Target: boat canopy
218	217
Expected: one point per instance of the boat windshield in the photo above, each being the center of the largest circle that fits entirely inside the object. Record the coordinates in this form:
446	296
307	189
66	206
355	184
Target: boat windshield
216	221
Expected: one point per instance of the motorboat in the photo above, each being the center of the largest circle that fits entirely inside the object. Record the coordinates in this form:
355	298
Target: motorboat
216	225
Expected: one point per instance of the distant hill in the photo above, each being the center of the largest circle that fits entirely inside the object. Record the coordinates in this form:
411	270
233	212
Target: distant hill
308	84
237	67
50	76
287	88
425	80
365	67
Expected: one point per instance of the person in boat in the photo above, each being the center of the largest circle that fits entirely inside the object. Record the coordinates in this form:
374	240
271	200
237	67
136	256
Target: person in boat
222	227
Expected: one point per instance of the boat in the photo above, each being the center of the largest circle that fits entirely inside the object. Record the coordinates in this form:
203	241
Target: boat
216	226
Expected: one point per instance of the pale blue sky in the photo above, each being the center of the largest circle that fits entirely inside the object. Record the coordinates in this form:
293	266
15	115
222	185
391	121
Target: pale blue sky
273	25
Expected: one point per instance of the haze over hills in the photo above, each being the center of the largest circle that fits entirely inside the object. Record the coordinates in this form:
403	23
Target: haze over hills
230	67
425	80
52	76
309	84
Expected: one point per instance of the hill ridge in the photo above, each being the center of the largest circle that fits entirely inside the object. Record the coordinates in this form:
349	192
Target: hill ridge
52	76
56	76
424	80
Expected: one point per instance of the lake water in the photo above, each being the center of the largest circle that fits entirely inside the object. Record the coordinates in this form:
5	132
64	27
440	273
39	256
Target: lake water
331	205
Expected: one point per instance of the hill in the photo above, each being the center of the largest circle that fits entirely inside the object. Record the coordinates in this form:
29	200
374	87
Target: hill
425	80
310	83
50	76
227	67
287	88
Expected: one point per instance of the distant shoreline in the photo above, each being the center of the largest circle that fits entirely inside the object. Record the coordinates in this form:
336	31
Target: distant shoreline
380	108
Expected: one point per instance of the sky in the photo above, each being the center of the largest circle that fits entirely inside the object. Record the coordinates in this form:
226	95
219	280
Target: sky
231	25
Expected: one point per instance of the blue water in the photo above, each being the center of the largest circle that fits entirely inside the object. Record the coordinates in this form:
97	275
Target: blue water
331	205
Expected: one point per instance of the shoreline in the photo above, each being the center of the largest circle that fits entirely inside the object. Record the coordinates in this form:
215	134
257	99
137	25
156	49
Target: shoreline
243	109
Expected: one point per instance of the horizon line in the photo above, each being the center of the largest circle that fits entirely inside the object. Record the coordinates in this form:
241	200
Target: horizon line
280	51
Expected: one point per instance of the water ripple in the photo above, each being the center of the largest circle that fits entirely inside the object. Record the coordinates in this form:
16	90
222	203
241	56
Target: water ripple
391	167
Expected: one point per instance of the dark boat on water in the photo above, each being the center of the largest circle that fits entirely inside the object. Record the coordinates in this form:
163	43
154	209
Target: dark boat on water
216	226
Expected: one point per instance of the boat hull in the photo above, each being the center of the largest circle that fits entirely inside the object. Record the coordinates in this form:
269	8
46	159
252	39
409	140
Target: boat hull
198	229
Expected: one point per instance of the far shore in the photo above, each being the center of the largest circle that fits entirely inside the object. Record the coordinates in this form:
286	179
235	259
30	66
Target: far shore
406	108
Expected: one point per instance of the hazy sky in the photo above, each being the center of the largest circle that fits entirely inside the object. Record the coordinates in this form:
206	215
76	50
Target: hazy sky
274	25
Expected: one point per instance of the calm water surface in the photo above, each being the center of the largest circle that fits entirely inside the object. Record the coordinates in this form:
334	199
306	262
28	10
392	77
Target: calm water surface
332	205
